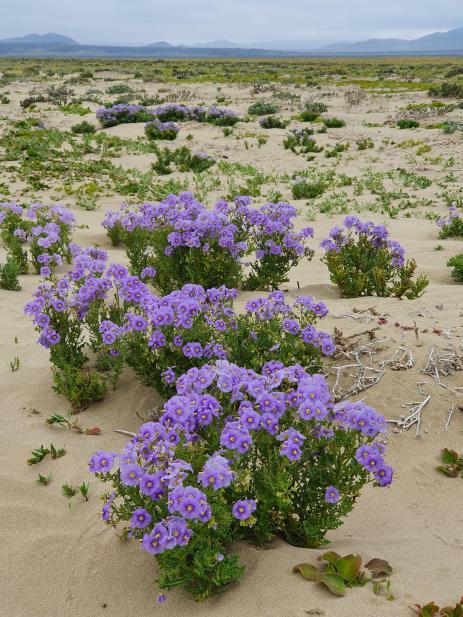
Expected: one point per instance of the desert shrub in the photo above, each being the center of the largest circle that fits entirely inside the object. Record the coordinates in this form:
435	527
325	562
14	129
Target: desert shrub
240	455
408	123
9	273
312	110
4	99
119	89
365	143
363	261
333	123
68	313
82	128
456	263
39	235
447	90
171	112
336	150
300	141
183	158
451	226
260	108
354	96
155	129
162	337
186	242
304	188
272	122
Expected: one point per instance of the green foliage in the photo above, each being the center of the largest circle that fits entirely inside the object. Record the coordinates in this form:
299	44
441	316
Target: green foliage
272	122
452	463
83	128
333	123
43	480
300	141
453	228
365	143
305	189
80	386
360	269
407	123
261	108
447	90
154	131
456	262
433	610
340	573
9	273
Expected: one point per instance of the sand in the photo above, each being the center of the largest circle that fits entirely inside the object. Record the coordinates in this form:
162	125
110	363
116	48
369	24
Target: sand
58	560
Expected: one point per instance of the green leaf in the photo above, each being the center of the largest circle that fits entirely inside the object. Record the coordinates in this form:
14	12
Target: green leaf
308	571
426	611
379	567
335	584
329	556
449	456
449	470
348	567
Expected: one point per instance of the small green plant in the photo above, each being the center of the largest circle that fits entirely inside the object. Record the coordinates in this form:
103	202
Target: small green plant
433	610
83	128
14	364
407	123
456	262
81	387
447	90
334	123
365	143
312	110
38	455
73	425
305	189
43	480
260	108
272	122
9	273
84	488
68	490
340	573
452	463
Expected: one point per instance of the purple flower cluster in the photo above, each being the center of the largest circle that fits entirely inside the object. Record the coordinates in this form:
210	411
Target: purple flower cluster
377	236
244	409
123	113
448	220
46	229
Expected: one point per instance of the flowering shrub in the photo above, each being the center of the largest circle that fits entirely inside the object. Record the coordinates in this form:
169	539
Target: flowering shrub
452	225
39	234
363	261
172	112
272	122
155	129
456	263
160	338
238	455
186	242
68	313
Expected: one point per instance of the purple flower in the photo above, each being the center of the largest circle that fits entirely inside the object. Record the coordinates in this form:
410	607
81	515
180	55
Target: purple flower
140	518
243	509
332	495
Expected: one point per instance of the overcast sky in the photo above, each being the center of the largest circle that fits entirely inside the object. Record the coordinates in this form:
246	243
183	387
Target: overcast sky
139	22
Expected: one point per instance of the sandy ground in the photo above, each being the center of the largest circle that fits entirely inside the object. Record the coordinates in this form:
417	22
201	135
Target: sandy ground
58	560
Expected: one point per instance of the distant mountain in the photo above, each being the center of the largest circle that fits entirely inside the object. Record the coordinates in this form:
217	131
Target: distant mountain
435	42
159	45
50	37
220	44
53	45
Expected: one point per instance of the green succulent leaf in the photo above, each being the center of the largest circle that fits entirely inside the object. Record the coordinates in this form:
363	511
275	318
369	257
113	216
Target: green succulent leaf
308	571
348	567
335	584
329	556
